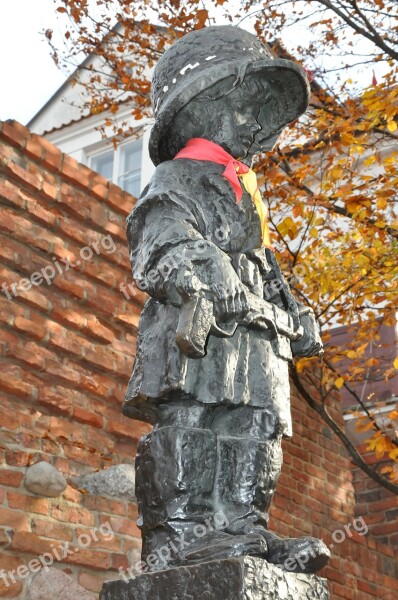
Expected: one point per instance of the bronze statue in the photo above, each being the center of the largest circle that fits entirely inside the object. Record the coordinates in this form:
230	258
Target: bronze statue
216	335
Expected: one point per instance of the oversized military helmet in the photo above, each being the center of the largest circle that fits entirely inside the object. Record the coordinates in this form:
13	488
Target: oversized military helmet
204	57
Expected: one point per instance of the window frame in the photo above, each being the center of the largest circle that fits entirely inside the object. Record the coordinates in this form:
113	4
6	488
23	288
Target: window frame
104	146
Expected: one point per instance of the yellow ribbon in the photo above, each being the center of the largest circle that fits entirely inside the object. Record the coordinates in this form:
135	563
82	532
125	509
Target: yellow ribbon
249	180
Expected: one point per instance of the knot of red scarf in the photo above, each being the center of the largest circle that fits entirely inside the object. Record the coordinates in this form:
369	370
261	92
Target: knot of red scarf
201	149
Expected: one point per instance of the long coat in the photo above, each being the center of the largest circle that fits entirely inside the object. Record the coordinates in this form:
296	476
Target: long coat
188	217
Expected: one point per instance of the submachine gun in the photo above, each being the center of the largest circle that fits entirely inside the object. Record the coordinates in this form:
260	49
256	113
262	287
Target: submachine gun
197	322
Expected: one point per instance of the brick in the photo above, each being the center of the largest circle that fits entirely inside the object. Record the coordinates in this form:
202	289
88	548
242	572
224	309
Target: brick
61	371
52	155
132	511
57	337
98	540
17	458
14	519
4	537
105	505
51	529
126	429
76	172
120	525
50	190
63	465
7	152
11	194
30	327
28	503
11	562
17	172
66	430
8	420
101	357
100	385
27	542
128	318
10	478
95	582
118	230
87	417
75	201
15	133
34	147
18	387
365	586
72	495
88	324
40	213
67	283
95	440
11	590
100	190
385	504
119	561
72	515
59	399
119	200
84	456
95	559
28	353
384	528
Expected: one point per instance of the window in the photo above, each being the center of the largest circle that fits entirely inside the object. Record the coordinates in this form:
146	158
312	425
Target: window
103	164
129	172
121	166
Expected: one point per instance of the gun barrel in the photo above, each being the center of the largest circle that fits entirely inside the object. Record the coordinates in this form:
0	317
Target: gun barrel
264	314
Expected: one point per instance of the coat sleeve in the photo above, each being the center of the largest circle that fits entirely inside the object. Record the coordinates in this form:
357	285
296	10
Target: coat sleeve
166	233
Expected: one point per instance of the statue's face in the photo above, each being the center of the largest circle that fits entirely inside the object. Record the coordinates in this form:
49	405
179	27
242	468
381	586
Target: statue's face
255	99
241	119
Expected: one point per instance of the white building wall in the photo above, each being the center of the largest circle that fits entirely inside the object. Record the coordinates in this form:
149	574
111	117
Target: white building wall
82	138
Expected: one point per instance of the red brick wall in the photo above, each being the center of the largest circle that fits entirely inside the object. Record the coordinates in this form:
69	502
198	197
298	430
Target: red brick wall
379	505
316	496
66	351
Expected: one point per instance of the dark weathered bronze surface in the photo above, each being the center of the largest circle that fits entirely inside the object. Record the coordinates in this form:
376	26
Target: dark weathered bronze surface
244	578
216	335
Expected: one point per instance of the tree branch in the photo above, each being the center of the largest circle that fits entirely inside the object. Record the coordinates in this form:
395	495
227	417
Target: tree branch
375	38
356	457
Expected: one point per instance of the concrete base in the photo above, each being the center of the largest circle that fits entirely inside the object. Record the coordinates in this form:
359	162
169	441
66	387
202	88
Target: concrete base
243	578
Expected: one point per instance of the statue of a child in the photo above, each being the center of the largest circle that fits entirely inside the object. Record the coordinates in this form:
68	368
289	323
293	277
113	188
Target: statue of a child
211	370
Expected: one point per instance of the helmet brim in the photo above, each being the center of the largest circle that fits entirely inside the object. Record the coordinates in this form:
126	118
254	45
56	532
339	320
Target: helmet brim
288	78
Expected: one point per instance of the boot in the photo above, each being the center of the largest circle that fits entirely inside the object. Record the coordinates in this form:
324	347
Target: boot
247	474
175	471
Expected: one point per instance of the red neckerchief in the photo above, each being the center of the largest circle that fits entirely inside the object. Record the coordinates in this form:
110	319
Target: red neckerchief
201	149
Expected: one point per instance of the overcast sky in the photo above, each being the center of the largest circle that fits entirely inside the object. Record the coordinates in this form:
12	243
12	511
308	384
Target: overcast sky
28	76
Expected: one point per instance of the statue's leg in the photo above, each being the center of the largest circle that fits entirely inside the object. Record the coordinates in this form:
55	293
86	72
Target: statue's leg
249	458
175	474
175	466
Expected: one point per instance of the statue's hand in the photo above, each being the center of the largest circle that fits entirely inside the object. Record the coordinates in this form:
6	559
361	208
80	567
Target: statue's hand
226	291
229	297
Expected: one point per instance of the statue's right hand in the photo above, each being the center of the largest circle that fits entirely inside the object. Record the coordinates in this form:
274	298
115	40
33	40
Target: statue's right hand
229	298
227	293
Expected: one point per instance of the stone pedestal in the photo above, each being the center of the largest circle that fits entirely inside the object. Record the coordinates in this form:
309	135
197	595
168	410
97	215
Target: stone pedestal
243	578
